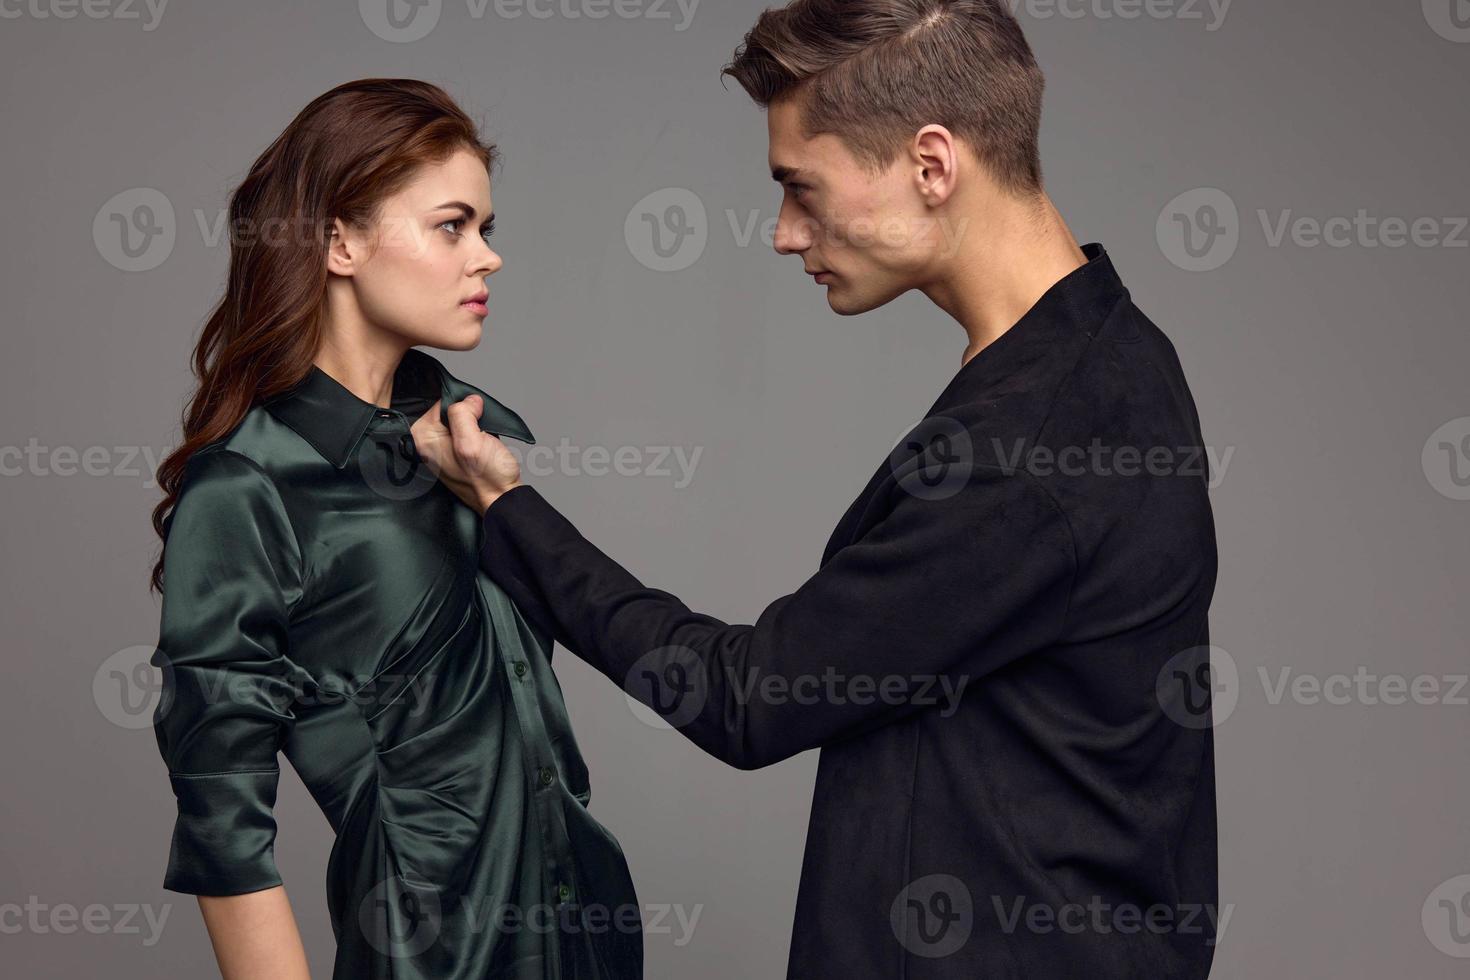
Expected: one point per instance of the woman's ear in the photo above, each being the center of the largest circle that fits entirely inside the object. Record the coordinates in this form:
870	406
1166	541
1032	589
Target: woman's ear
341	250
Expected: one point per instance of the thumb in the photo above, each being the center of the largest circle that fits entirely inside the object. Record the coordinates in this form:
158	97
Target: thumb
464	420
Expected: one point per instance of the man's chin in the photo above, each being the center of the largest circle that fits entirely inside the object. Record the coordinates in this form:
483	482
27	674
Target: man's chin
844	303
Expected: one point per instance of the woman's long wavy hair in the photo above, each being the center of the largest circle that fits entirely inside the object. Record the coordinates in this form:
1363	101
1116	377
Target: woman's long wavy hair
341	156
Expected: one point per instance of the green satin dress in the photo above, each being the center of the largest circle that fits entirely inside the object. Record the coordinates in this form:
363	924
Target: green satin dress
323	597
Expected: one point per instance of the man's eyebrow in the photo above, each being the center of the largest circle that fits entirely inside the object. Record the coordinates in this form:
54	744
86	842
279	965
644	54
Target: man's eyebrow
782	174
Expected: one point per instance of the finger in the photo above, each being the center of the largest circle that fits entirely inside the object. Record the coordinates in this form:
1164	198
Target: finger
429	418
464	421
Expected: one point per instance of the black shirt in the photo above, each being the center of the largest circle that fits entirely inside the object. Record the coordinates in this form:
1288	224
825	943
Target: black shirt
1003	659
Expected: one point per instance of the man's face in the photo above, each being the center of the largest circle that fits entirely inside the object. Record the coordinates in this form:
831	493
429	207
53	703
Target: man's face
869	239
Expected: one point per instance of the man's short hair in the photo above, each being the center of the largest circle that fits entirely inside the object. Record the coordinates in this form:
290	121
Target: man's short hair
873	72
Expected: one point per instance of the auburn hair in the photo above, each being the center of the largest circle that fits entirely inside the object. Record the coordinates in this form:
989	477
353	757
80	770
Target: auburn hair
873	72
342	155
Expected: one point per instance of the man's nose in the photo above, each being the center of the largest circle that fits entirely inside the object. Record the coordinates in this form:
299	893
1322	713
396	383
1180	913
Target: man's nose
793	233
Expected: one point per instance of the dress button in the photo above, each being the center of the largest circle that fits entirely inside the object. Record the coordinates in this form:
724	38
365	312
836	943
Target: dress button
547	776
405	446
520	668
563	892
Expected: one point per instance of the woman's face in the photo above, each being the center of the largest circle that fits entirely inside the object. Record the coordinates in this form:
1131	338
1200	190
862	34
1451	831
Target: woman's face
419	271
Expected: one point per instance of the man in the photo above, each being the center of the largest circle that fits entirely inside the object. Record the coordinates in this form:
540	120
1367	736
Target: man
1013	782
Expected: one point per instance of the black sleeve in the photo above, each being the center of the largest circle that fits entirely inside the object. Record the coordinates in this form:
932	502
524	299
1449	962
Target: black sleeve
933	597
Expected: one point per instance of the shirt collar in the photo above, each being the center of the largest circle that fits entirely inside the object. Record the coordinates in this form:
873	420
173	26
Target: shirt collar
330	417
1079	301
1085	298
1076	308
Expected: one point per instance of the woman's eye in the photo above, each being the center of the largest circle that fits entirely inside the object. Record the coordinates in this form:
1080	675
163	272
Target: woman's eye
453	226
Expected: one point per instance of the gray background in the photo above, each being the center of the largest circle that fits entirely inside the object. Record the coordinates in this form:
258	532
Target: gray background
1323	371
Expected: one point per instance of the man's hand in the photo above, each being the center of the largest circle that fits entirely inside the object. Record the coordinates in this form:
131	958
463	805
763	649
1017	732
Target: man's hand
477	466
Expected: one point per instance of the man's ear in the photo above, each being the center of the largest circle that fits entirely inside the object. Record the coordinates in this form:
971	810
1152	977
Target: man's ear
934	159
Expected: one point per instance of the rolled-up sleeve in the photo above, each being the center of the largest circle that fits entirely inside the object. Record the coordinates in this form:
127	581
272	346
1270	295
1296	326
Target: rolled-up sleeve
231	577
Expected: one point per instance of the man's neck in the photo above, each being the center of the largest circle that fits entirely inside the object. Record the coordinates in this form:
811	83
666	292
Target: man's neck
1014	252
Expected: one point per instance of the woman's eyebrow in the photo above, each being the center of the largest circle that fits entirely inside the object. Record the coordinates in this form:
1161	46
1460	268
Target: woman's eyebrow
467	209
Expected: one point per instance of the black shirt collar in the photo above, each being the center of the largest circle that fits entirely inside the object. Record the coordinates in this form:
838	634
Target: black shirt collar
1077	307
1080	301
330	417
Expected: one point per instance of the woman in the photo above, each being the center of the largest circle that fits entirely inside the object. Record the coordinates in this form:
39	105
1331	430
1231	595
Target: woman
322	593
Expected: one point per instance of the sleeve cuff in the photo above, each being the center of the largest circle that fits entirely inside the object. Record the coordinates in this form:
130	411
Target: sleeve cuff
514	497
522	514
224	835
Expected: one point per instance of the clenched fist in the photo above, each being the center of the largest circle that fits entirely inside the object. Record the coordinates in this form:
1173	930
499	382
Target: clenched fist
476	465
